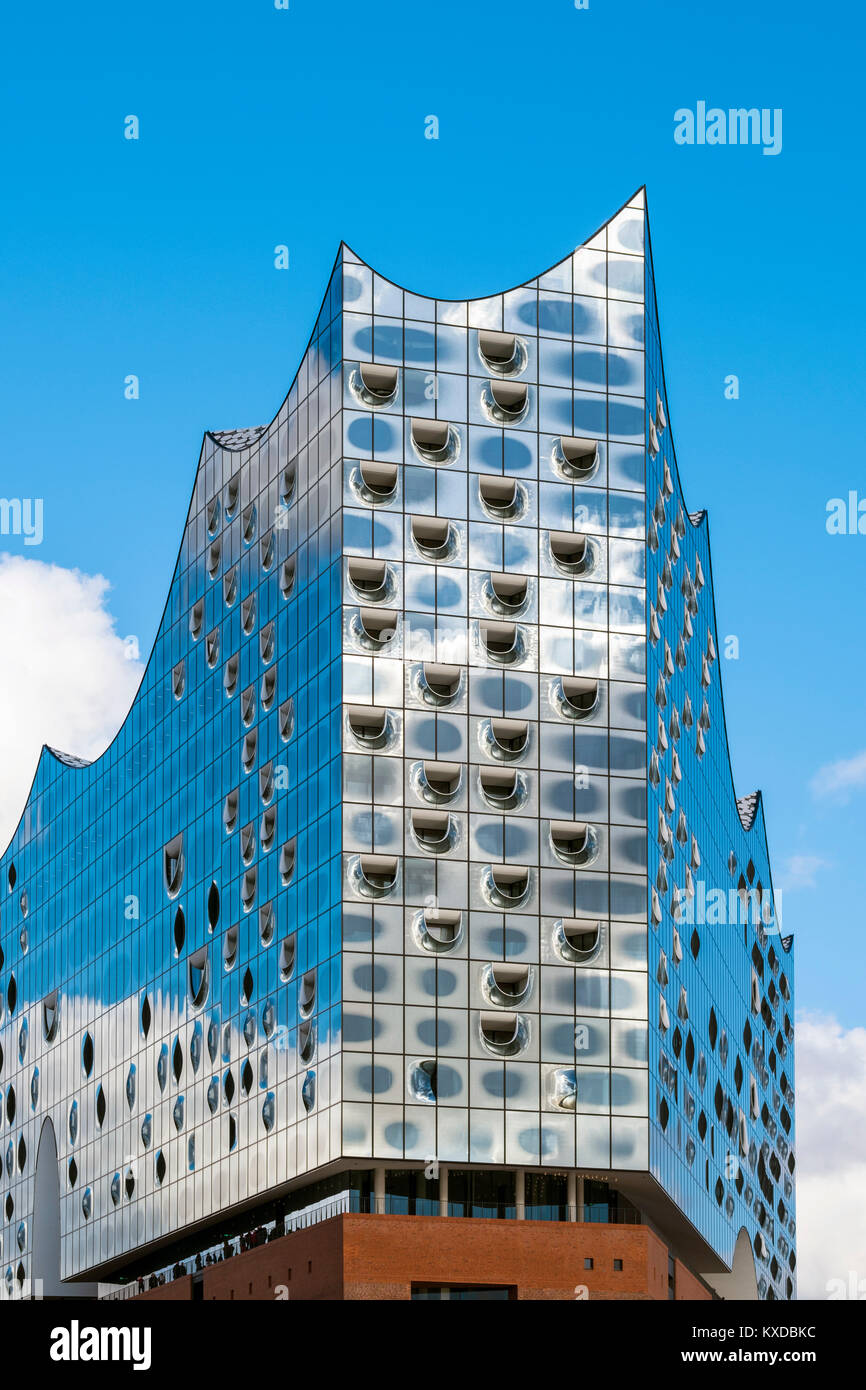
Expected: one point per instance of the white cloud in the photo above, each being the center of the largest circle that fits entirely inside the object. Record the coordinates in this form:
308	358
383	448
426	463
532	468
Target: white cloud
66	678
839	779
831	1154
800	871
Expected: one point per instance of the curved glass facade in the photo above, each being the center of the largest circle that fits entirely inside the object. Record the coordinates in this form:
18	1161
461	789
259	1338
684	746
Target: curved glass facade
404	850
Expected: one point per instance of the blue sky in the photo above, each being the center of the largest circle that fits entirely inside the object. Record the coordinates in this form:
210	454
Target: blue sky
260	127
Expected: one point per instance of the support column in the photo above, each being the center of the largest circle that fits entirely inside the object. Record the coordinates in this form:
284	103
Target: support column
379	1190
572	1195
443	1189
581	1200
520	1193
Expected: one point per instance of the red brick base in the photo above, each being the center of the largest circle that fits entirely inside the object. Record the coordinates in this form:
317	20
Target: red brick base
381	1257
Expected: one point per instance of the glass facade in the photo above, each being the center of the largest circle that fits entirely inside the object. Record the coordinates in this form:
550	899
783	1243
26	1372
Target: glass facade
387	861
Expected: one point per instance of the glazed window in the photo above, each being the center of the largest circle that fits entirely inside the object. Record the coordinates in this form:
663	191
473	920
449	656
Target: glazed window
288	856
573	842
198	976
571	553
500	786
371	580
378	874
433	831
379	382
368	724
268	688
506	401
379	480
500	497
230	811
196	619
509	738
248	843
422	1082
433	440
230	586
503	353
178	679
248	613
50	1016
433	537
214	555
503	1033
213	515
267	642
249	750
440	928
179	931
440	684
233	492
502	641
212	647
288	483
173	865
268	828
267	923
507	885
287	957
230	675
288	570
248	889
249	522
579	696
378	625
507	984
440	781
307	994
508	592
267	549
230	947
266	782
248	705
287	719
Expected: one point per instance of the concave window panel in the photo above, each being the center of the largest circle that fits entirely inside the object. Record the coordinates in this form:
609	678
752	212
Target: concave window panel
50	1015
440	683
440	929
572	553
307	994
288	949
500	497
196	619
230	948
288	483
268	688
508	592
503	353
433	831
369	725
507	885
580	696
199	976
507	983
377	874
178	679
371	579
506	401
434	441
433	537
509	738
230	586
173	865
288	574
440	781
378	625
503	642
502	787
233	494
574	842
379	382
502	1033
268	828
577	459
286	719
379	480
230	811
267	549
288	859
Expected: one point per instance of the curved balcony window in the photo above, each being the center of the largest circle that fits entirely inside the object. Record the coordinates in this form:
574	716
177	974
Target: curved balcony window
376	627
233	494
248	889
435	441
433	537
249	522
178	679
268	688
288	483
250	745
506	885
576	459
287	719
196	620
307	994
213	515
266	782
437	782
230	587
578	696
576	941
306	1040
502	353
573	842
267	549
288	857
230	811
506	402
439	929
288	571
267	642
503	642
372	580
230	675
376	874
506	740
506	984
377	482
268	829
507	593
212	647
502	498
287	957
503	1033
50	1016
370	725
503	788
374	383
571	552
439	684
173	865
230	948
248	614
214	557
267	923
199	977
433	831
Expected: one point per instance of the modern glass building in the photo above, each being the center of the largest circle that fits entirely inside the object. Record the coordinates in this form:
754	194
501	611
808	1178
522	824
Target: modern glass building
415	884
